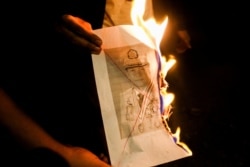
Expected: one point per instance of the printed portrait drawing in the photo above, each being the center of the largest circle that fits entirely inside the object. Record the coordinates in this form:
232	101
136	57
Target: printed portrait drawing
133	74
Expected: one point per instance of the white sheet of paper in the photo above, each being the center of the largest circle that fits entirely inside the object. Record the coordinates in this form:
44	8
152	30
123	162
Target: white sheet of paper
136	136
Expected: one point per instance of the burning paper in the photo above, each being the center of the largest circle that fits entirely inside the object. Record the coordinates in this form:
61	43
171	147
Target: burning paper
132	95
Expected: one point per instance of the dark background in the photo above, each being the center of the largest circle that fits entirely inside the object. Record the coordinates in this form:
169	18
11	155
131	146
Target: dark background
209	83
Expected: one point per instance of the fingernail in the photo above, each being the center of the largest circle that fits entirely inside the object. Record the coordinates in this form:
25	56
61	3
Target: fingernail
98	41
96	50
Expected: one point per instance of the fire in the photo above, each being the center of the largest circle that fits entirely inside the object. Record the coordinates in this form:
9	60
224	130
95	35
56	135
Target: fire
153	29
154	33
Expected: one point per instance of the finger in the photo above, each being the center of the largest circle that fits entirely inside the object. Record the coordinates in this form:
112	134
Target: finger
104	158
187	42
74	38
184	36
82	28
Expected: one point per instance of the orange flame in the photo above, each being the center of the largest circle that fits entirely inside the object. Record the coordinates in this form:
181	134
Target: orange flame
154	32
153	29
